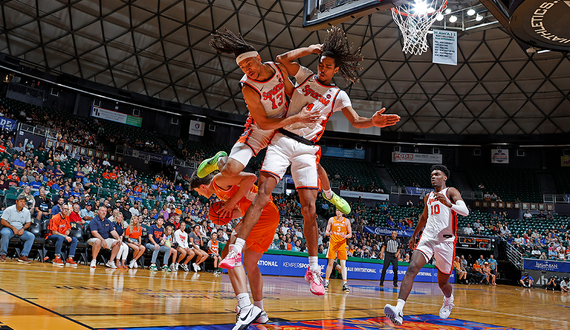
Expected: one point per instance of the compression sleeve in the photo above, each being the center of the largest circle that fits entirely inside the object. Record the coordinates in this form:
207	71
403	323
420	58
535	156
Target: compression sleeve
460	208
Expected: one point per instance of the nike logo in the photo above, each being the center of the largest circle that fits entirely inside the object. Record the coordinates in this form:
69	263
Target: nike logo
246	316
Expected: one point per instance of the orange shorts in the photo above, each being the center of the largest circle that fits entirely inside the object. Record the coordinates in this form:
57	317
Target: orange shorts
261	236
337	250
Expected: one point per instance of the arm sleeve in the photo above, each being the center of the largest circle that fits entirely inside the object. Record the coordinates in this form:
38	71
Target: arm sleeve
460	208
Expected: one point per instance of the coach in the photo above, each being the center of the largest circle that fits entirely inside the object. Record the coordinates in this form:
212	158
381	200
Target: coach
391	251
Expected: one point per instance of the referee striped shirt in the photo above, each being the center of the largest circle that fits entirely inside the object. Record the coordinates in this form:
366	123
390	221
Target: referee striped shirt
392	246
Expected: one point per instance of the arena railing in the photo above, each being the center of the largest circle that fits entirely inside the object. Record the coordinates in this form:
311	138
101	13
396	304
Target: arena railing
515	256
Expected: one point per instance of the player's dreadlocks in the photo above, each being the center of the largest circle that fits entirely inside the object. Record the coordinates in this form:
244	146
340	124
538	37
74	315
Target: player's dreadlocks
336	46
227	42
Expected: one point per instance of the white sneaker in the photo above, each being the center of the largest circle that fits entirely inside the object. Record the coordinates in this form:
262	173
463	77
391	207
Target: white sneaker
196	268
111	265
263	318
395	315
132	264
446	308
173	267
136	264
93	263
246	317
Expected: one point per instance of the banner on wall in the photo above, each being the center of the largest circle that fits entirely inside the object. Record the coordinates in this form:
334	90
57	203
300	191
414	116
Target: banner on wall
415	191
196	128
364	195
565	161
9	124
444	47
500	156
343	152
412	157
388	231
115	116
547	265
148	156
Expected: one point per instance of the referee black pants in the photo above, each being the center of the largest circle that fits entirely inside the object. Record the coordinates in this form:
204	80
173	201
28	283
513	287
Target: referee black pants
390	258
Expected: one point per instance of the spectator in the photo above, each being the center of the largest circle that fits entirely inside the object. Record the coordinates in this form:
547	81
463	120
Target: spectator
468	230
42	204
196	240
59	229
409	203
168	239
184	250
16	219
214	251
124	248
527	215
104	236
526	280
541	215
86	214
488	275
460	271
156	244
75	216
133	234
30	200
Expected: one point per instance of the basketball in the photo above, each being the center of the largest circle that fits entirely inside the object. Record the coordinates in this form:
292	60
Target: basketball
215	214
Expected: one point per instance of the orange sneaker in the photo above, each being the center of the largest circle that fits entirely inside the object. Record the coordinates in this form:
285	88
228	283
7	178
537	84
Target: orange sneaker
57	261
70	263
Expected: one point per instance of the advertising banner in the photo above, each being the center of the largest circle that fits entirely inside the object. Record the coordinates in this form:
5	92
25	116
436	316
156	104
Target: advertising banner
444	47
415	191
9	124
196	128
148	156
362	269
411	157
115	116
364	195
342	152
388	231
565	161
547	265
500	156
541	278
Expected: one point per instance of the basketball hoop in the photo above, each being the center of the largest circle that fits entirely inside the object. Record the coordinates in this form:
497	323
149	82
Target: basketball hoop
414	19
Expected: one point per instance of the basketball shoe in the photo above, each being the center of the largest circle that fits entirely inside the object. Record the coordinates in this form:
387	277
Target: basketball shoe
326	285
395	315
315	281
209	165
446	308
345	288
233	259
339	202
57	261
246	317
262	319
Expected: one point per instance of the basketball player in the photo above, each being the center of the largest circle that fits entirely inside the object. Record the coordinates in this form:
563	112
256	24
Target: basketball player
265	88
438	240
296	145
339	230
238	192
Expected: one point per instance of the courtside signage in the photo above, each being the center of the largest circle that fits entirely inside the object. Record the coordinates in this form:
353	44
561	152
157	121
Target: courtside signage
412	157
115	116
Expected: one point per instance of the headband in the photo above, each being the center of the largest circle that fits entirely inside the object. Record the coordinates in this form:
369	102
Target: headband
245	55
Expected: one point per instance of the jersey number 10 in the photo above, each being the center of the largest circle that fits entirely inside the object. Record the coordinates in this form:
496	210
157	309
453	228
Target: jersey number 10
435	209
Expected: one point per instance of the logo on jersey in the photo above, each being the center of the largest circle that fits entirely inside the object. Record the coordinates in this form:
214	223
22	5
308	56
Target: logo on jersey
307	90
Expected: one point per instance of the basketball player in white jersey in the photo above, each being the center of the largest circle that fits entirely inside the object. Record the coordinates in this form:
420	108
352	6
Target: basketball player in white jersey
265	88
438	240
295	145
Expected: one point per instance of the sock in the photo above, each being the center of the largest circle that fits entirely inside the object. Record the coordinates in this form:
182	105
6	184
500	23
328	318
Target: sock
243	300
259	304
344	282
328	193
314	264
238	245
400	305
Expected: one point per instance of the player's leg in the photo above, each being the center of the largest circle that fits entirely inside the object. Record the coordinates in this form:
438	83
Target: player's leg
307	198
238	159
329	267
250	259
444	255
329	195
342	256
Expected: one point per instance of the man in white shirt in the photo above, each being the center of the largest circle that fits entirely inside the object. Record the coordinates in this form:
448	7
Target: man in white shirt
16	219
468	230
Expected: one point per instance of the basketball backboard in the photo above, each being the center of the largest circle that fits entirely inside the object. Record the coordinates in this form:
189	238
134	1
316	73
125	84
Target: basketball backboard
320	14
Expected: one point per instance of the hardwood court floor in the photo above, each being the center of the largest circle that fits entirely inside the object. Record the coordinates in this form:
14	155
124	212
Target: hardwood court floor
41	296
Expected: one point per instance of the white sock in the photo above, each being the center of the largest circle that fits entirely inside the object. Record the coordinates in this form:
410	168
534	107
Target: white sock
259	304
314	264
328	193
400	305
243	300
238	245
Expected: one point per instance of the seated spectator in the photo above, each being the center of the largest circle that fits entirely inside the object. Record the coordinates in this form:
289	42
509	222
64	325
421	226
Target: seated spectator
133	235
460	271
527	215
168	239
16	219
43	205
104	236
19	163
184	250
541	215
124	248
75	215
543	256
156	244
535	252
3	182
86	214
489	277
196	240
468	230
59	229
552	253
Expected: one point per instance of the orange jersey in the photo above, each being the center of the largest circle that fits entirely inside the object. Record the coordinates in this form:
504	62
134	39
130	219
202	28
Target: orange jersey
214	247
338	227
225	195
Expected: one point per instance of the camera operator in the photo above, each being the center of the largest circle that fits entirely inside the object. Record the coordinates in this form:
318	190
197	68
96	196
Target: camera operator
526	280
553	283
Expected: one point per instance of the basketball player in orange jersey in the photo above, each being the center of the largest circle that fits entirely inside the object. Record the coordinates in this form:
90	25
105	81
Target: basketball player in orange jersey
438	240
265	88
339	230
238	192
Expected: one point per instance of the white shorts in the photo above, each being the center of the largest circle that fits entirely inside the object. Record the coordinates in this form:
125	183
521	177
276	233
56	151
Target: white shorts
442	250
250	143
109	242
284	151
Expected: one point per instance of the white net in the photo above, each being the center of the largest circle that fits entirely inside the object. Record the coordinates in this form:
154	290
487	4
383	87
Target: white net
414	19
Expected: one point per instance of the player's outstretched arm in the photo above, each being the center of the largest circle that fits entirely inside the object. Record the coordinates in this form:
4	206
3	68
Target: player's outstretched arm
378	120
288	59
257	111
458	204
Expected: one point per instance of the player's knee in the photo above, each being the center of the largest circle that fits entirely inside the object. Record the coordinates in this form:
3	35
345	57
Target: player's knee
232	168
308	210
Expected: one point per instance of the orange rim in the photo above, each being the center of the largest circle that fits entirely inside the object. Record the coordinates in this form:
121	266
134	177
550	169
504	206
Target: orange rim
441	8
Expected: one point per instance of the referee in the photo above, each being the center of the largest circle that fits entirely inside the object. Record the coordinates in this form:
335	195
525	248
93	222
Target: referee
392	249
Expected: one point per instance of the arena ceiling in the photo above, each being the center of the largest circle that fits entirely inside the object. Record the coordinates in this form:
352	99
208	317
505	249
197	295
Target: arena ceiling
160	49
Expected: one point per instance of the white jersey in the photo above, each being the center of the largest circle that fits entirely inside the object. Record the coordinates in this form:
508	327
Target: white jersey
442	221
272	95
324	99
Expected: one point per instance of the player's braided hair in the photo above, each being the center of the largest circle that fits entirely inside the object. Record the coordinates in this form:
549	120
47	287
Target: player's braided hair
441	168
336	46
230	43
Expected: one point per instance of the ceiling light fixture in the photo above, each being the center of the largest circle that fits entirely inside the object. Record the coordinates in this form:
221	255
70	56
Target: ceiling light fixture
439	17
453	18
448	11
471	12
478	18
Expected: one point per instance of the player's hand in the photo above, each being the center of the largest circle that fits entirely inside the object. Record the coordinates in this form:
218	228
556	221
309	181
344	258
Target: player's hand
412	242
227	210
316	48
307	116
379	119
442	199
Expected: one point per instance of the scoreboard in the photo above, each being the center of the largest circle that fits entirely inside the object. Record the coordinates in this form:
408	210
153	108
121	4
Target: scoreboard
475	243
